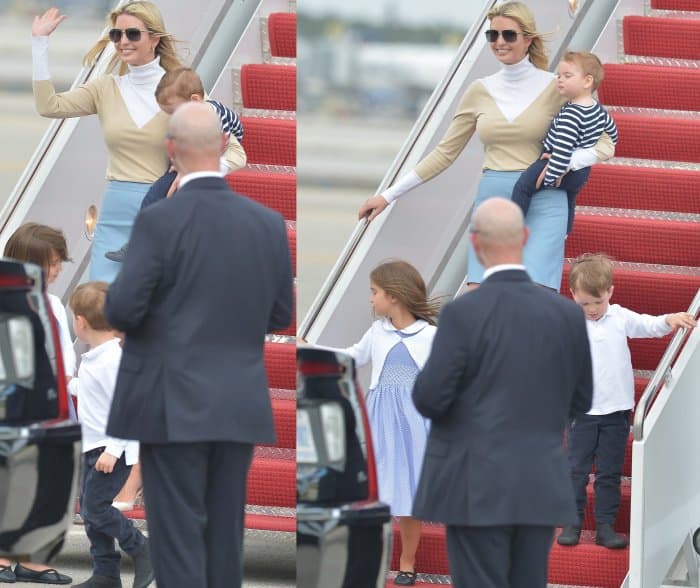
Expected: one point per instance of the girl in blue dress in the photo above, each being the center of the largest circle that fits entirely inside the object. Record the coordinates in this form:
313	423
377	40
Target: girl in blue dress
397	345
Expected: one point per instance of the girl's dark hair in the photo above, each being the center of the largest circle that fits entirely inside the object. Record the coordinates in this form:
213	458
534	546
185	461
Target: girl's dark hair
401	280
34	243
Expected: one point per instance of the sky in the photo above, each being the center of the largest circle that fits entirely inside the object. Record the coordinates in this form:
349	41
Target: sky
411	12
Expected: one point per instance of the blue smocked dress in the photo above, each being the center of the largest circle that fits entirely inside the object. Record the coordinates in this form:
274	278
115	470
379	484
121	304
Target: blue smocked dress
399	432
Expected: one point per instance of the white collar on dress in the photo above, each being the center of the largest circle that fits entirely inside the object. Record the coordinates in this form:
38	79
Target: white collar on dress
514	87
419	325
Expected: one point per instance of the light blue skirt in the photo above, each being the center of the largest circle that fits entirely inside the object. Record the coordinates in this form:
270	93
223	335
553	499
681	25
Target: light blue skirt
120	205
546	218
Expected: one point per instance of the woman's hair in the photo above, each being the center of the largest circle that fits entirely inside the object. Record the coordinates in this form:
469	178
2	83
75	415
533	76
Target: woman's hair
591	273
149	14
88	301
401	280
34	243
520	13
181	82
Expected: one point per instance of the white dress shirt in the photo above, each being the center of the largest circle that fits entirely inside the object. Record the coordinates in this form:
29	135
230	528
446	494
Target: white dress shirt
613	380
94	388
502	267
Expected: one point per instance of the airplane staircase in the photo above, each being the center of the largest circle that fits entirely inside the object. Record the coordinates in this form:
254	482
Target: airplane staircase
643	209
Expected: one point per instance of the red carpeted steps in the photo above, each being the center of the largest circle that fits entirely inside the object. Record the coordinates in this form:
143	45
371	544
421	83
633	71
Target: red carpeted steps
634	239
567	565
661	37
641	188
274	190
650	86
282	32
680	5
269	87
270	141
658	137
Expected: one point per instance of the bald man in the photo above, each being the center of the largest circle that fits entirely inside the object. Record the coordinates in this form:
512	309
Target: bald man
510	364
206	276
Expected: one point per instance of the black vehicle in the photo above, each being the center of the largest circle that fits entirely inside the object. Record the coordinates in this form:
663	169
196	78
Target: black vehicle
343	530
39	442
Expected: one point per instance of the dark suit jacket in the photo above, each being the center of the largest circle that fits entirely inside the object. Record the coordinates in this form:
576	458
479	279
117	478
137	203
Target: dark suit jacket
509	364
207	274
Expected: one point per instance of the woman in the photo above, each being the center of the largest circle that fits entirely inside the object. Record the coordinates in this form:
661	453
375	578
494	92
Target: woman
133	125
511	111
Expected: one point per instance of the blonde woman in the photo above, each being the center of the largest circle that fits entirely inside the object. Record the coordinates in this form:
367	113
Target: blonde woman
510	111
133	124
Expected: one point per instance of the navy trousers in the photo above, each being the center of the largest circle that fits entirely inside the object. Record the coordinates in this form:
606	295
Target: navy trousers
196	498
571	183
103	523
602	438
499	557
159	189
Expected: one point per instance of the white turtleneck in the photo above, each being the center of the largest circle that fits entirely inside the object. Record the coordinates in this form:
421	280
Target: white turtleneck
138	87
515	87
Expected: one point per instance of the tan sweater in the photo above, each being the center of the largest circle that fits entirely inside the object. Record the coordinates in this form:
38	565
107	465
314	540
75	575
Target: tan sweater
508	146
135	154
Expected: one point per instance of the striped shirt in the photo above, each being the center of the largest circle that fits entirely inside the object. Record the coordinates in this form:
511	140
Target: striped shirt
575	127
230	122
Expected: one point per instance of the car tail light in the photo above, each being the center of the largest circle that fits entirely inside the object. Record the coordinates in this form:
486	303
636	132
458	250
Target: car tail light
22	345
310	367
63	412
333	425
321	435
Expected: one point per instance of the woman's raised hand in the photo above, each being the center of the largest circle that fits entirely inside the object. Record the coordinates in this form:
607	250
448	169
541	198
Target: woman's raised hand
373	207
46	24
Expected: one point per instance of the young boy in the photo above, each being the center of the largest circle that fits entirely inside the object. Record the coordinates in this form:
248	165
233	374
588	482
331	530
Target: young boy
106	461
579	125
176	87
602	432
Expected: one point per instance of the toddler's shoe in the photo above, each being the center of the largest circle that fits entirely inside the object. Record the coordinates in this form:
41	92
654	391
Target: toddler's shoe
569	536
607	537
117	255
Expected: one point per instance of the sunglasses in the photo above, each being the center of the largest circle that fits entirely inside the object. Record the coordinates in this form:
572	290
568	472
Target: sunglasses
509	35
133	35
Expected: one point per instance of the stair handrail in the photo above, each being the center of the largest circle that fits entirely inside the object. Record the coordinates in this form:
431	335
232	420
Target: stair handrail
395	168
663	373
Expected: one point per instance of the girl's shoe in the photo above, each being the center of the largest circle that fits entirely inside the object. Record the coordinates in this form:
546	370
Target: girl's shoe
7	576
405	578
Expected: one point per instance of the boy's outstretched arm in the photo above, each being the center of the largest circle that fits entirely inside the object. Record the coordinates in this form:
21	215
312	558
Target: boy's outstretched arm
681	320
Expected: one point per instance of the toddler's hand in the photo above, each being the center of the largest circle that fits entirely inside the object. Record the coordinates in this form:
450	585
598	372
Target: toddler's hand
538	183
681	319
105	463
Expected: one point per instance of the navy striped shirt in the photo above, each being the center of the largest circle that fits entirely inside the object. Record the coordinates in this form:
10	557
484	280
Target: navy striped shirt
230	122
575	127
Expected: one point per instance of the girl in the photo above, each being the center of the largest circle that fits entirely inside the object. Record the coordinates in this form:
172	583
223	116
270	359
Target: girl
45	247
398	345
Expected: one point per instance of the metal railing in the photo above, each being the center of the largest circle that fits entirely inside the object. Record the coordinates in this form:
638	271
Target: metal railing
663	374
